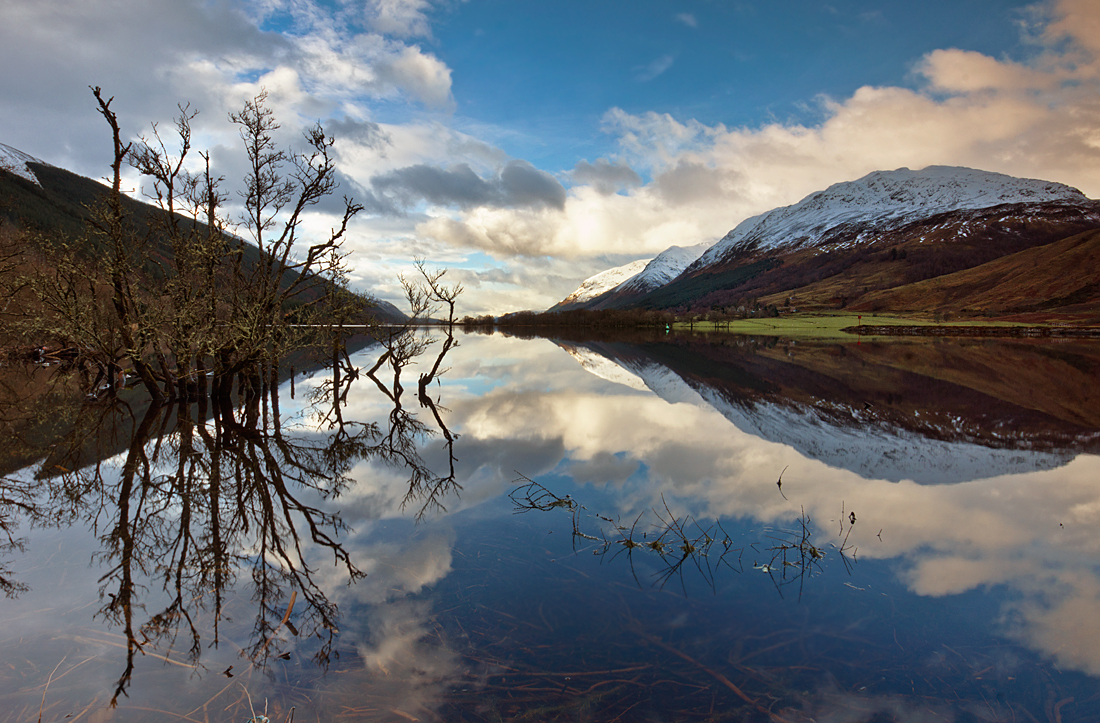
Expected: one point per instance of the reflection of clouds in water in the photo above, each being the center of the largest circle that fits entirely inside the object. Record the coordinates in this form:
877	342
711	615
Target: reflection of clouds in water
394	570
837	707
716	470
409	664
603	468
486	464
936	576
1028	533
397	571
553	416
953	538
590	424
1059	614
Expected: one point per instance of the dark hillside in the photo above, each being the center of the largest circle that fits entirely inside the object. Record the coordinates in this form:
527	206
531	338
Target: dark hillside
59	209
59	204
706	284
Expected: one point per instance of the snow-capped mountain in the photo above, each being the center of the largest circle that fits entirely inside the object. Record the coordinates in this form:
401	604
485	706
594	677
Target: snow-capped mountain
664	267
880	201
603	282
635	278
15	161
886	230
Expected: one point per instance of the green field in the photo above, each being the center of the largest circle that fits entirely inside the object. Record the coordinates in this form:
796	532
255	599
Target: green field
821	326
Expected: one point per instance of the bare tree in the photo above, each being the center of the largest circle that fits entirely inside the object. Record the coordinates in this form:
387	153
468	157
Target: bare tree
178	296
438	292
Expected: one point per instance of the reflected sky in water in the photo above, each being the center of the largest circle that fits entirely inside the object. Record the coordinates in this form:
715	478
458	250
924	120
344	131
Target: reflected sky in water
965	501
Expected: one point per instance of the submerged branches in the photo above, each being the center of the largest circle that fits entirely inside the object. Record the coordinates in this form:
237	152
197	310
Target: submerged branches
530	495
676	541
793	550
681	542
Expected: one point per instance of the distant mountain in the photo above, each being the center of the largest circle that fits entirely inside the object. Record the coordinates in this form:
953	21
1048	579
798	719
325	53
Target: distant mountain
840	247
638	278
667	265
601	283
386	312
37	196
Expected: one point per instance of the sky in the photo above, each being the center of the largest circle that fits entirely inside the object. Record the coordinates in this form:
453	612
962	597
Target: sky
526	146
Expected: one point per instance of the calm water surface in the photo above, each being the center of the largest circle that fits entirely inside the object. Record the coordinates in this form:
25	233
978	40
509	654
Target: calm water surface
651	528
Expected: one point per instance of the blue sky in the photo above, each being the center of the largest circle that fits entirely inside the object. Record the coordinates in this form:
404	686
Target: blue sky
527	146
547	72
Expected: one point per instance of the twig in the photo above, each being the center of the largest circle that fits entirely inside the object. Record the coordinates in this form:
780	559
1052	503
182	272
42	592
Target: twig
43	703
286	616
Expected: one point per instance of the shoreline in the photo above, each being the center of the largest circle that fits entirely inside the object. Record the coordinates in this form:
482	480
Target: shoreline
1028	332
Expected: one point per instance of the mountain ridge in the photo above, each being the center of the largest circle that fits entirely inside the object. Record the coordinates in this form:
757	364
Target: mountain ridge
17	162
882	231
596	291
599	284
883	197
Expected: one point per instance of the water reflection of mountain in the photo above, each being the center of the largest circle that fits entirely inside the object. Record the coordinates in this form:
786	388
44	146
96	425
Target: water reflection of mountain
929	411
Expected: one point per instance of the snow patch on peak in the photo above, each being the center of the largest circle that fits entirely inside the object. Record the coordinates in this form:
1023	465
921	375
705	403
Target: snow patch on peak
884	197
948	188
665	267
15	161
603	282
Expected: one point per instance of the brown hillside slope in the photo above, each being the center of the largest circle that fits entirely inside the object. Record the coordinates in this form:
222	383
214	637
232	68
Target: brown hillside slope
1063	275
859	261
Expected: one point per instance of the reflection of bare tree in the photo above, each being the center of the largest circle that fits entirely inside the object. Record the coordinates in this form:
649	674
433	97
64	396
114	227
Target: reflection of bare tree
447	483
16	500
398	445
194	508
189	500
269	476
38	401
